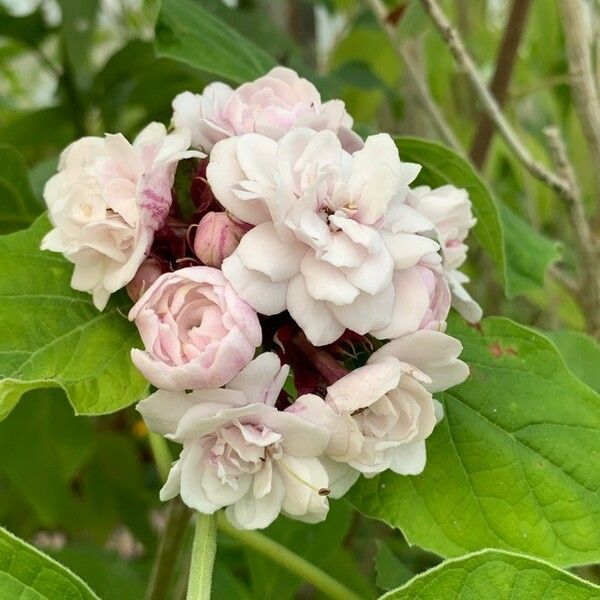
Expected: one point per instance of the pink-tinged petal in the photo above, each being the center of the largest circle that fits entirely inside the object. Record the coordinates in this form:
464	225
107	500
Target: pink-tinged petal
366	313
342	251
261	249
223	173
341	477
258	290
407	249
434	353
345	440
252	512
325	282
401	217
256	155
172	486
262	379
375	177
289	151
299	437
410	304
303	478
365	385
163	410
119	195
408	459
313	316
461	299
374	275
366	236
192	491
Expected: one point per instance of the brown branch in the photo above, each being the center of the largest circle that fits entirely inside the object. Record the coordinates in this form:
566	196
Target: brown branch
507	54
583	86
381	14
563	182
490	105
589	250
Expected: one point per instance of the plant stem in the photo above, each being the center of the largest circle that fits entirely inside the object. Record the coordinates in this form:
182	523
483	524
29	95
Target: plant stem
507	55
324	363
178	517
203	558
379	9
289	560
489	104
162	455
574	19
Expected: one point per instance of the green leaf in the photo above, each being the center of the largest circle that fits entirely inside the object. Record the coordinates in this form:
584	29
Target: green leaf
188	33
30	29
113	577
27	573
581	352
391	571
515	462
442	166
53	336
313	542
78	21
529	253
42	471
495	575
18	205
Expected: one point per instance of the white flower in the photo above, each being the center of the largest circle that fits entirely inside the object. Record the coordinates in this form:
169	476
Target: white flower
271	106
379	415
240	452
107	200
325	245
449	209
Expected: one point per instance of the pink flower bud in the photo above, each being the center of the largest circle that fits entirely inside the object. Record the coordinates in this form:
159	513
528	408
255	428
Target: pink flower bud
216	238
148	272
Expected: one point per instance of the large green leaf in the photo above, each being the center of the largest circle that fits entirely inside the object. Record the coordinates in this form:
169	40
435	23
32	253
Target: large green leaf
41	473
528	253
495	575
442	166
18	205
581	353
515	462
28	574
188	33
53	336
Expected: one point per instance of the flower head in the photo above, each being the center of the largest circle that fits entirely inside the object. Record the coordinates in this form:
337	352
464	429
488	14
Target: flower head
326	243
196	331
379	415
107	200
271	106
240	452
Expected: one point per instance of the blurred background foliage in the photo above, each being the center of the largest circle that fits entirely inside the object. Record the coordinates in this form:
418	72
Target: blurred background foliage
86	490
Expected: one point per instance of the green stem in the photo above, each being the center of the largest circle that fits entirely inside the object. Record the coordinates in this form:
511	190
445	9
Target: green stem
169	549
162	455
289	560
203	558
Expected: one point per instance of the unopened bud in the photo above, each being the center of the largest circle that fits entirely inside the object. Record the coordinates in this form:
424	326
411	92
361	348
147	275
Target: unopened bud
217	236
149	271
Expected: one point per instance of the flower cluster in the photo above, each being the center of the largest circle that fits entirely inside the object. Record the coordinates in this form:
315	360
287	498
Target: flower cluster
293	323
